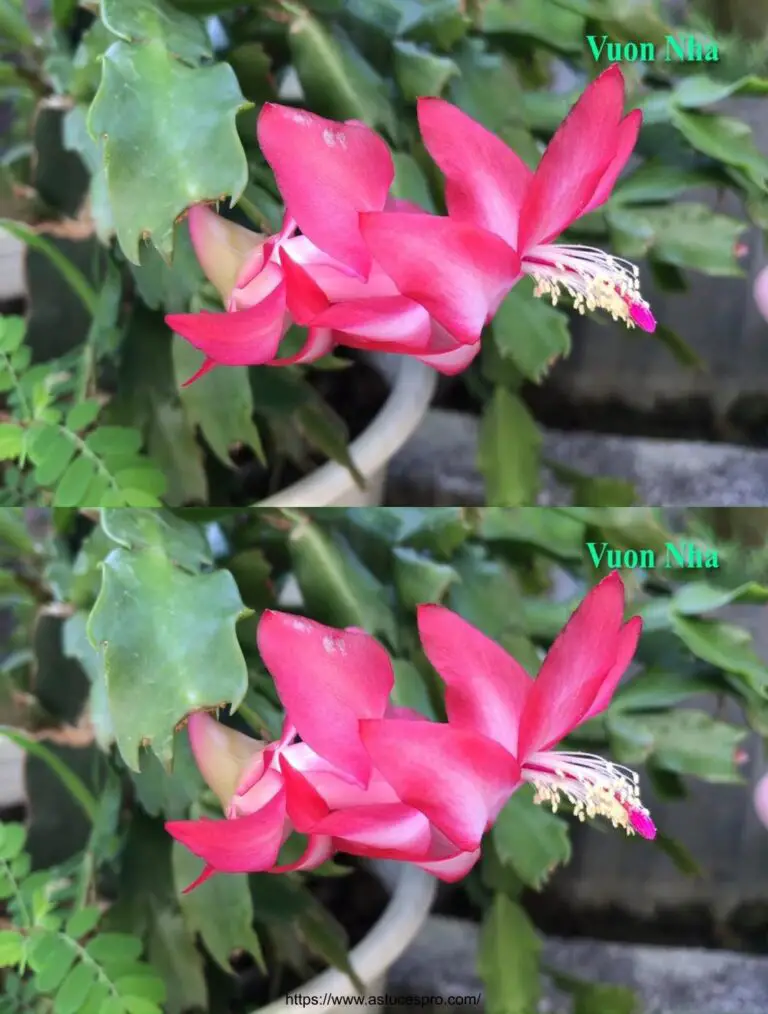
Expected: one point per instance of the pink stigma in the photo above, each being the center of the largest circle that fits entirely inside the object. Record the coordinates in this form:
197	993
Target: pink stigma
642	823
643	317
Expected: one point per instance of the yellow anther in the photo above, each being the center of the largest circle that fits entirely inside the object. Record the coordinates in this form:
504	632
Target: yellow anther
592	278
593	786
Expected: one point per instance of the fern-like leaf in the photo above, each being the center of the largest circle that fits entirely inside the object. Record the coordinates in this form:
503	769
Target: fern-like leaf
77	463
77	968
101	469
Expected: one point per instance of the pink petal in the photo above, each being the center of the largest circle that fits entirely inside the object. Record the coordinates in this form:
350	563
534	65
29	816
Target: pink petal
319	850
254	771
320	342
334	785
260	791
268	252
643	317
208	872
288	734
208	365
334	278
642	823
486	687
265	274
385	831
221	247
242	338
626	140
625	650
398	348
457	778
287	229
243	845
221	754
453	869
574	162
393	319
451	363
306	300
327	680
327	172
576	665
306	807
458	272
485	180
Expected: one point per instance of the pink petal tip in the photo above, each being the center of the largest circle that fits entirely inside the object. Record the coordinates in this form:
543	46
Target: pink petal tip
642	823
643	317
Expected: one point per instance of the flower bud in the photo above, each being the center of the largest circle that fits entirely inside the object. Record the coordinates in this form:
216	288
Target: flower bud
221	247
222	754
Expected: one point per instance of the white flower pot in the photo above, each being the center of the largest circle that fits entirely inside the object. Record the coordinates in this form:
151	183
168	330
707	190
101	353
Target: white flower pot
11	267
413	892
331	485
11	774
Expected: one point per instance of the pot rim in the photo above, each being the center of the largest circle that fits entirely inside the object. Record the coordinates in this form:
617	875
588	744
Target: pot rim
12	260
412	390
405	914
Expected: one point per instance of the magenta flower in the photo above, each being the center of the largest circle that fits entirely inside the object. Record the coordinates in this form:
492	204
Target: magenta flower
369	271
490	187
490	699
326	786
326	279
372	780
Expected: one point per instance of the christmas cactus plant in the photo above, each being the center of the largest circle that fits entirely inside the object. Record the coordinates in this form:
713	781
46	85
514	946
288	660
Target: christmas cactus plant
227	714
208	188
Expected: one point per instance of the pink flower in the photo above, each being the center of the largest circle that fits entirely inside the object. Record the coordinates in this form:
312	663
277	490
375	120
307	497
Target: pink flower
491	699
489	186
326	279
372	780
326	786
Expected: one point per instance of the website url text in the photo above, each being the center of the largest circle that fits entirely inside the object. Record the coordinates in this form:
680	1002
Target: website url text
330	1000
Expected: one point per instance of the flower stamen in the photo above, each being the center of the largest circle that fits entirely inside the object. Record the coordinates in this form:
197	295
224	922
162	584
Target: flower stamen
594	787
593	279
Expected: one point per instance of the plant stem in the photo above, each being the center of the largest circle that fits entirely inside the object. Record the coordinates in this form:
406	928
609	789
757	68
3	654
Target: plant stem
251	212
296	517
71	781
77	280
253	719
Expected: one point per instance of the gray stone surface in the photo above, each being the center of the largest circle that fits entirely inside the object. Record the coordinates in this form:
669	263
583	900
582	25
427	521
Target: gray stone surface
442	962
437	467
